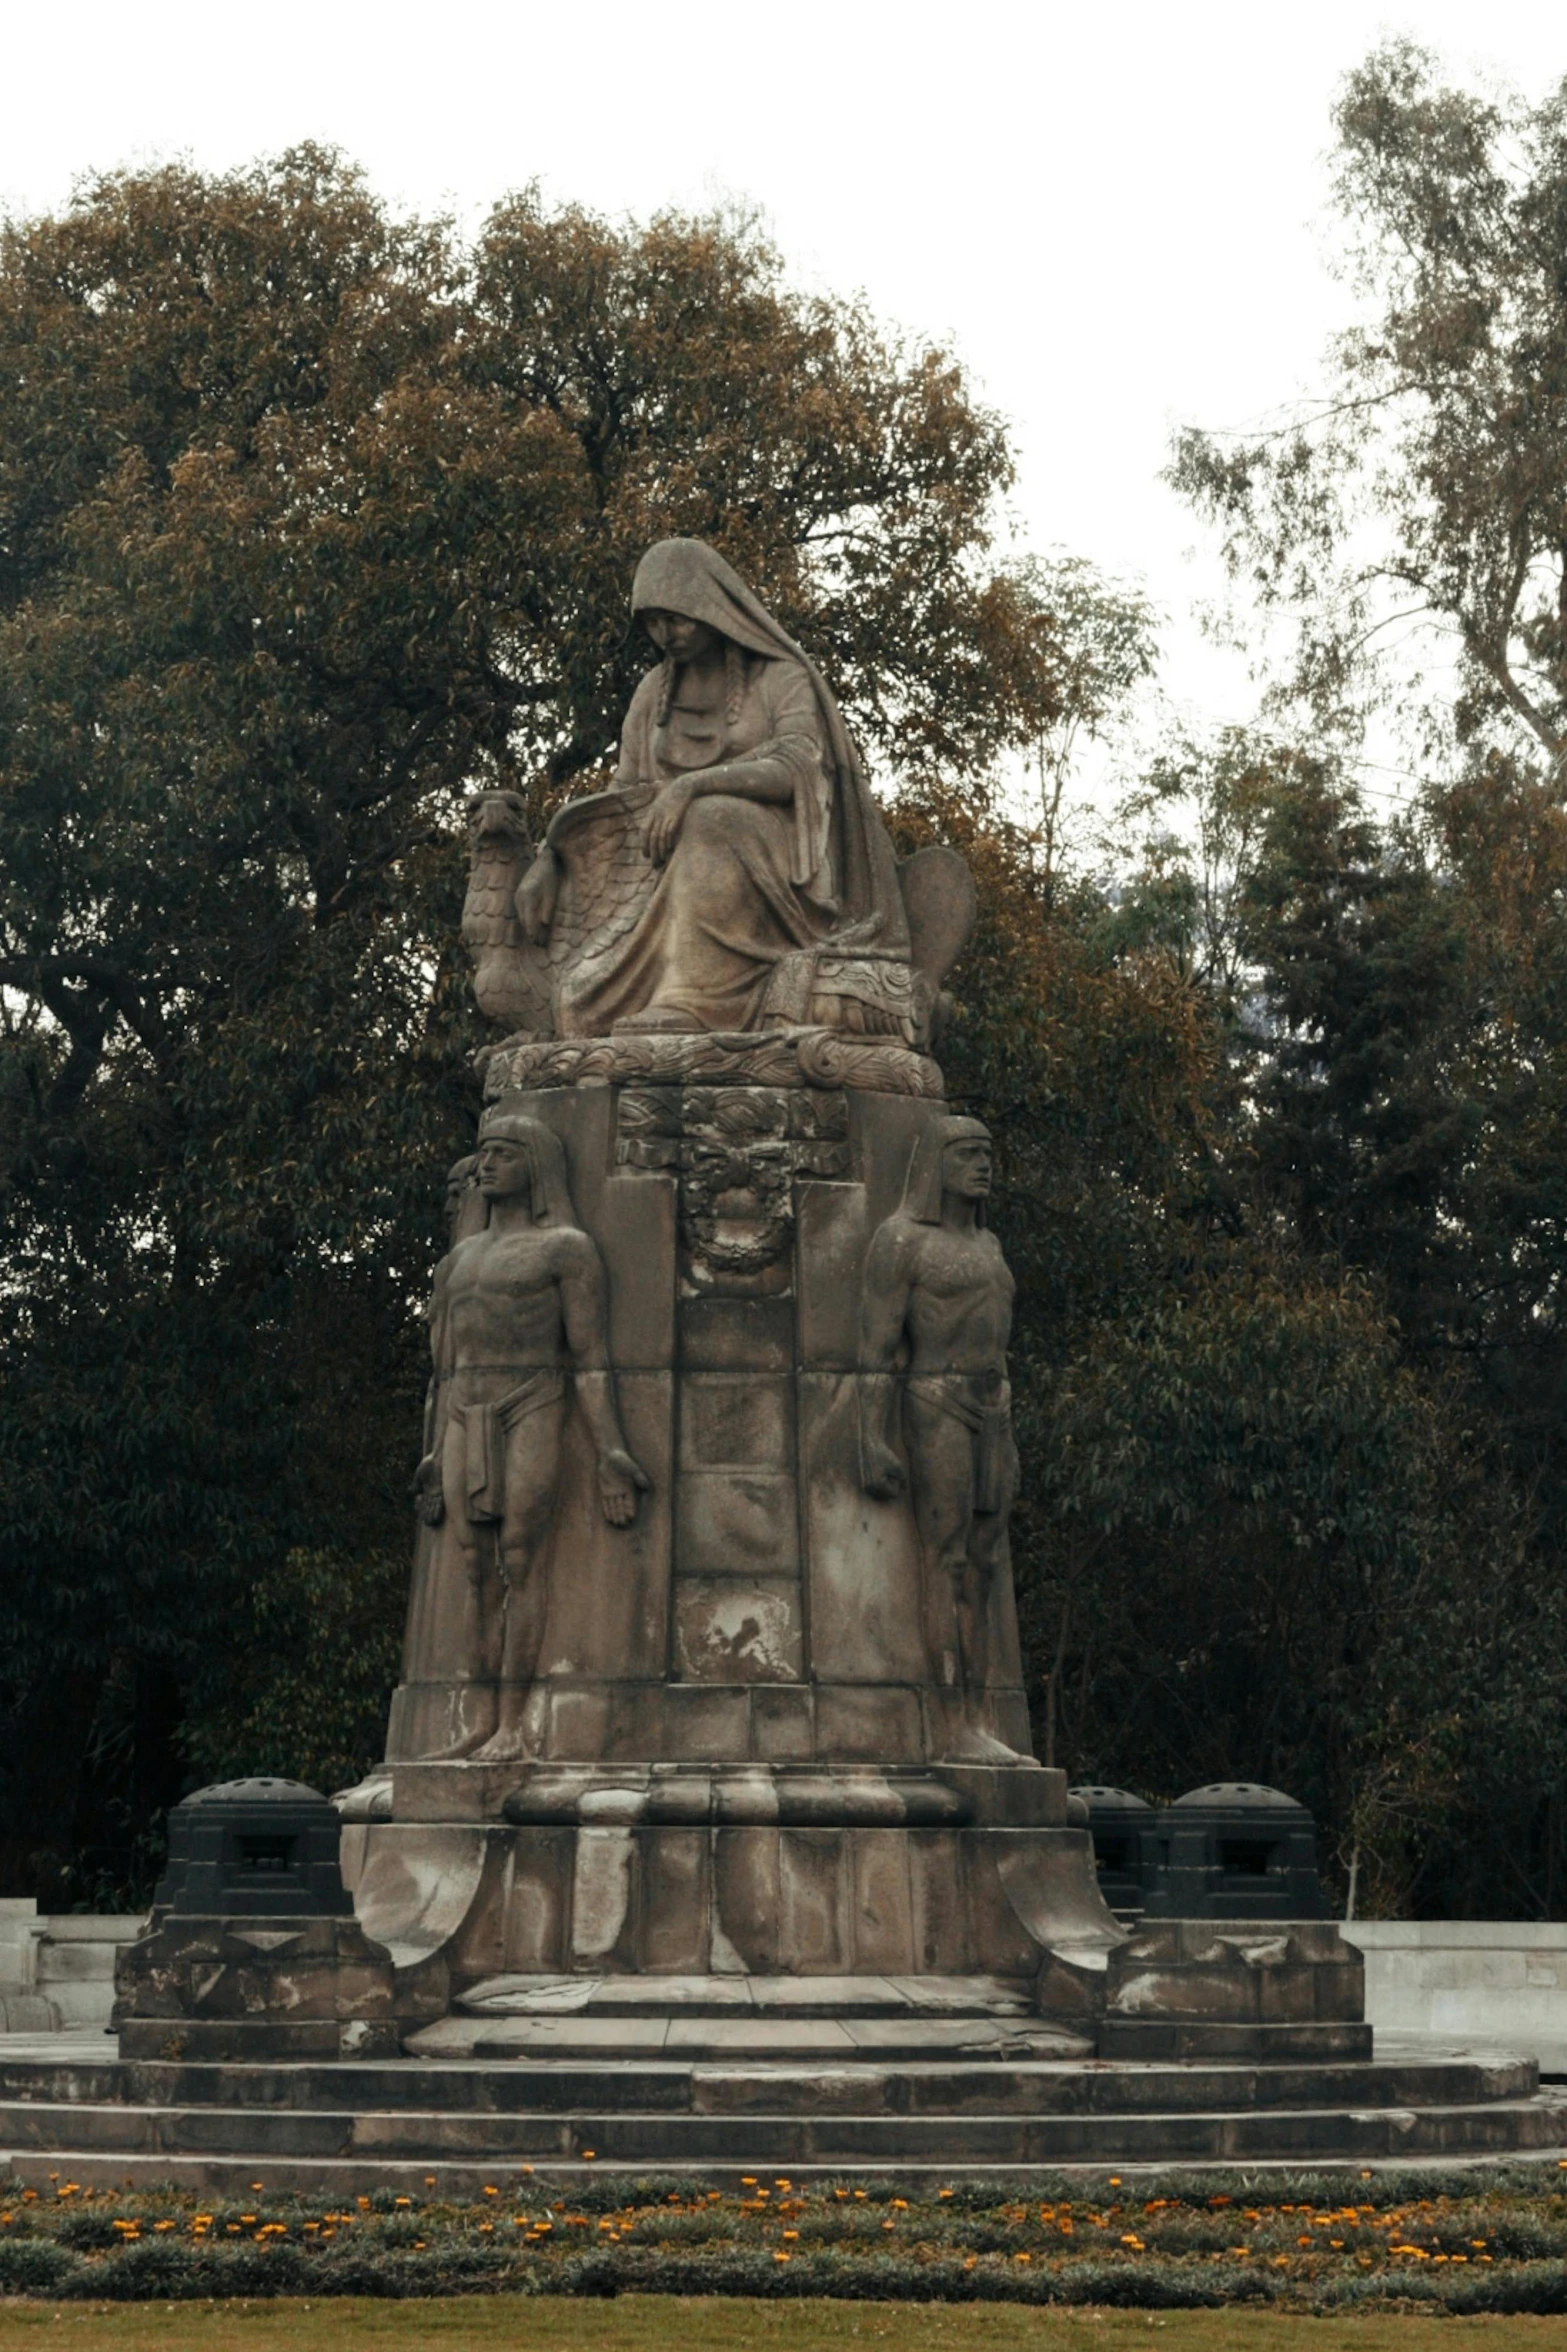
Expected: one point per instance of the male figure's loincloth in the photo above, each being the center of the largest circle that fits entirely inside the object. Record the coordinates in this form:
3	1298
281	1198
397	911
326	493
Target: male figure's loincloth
982	1402
484	1430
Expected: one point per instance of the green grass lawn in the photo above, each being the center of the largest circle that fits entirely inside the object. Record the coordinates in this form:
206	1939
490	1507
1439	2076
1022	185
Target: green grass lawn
665	2323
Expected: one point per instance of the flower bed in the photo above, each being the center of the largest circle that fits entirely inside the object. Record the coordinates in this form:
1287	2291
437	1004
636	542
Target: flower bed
1476	2241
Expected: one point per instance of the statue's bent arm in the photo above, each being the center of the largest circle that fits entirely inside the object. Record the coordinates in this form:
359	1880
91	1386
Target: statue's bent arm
787	762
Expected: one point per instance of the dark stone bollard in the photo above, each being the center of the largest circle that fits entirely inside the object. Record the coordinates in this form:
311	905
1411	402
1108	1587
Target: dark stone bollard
1125	1850
1235	1850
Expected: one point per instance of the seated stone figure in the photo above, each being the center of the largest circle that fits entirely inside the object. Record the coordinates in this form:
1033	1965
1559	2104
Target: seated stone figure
739	875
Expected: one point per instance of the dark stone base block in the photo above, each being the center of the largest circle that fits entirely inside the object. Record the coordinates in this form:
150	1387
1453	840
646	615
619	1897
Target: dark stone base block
250	1990
1142	2040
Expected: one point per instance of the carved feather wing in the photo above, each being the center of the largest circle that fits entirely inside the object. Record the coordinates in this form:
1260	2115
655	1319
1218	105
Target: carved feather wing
607	877
511	980
939	894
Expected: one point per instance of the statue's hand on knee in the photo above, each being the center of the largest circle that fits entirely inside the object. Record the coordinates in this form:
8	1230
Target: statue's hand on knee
621	1480
429	1503
668	814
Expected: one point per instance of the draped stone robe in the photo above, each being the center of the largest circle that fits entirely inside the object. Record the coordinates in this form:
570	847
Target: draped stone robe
747	880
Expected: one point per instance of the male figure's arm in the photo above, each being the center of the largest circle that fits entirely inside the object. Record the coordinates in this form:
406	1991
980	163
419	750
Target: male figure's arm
427	1478
889	1284
584	1313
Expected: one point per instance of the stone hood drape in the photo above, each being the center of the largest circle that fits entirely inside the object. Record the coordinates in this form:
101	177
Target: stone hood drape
687	576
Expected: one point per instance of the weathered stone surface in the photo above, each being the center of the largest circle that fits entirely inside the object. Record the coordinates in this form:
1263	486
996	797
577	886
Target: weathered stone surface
1179	1988
792	1057
853	2096
295	1986
252	1950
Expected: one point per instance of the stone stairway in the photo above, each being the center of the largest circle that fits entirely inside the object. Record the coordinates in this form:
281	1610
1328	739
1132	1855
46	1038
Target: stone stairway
467	2123
829	2020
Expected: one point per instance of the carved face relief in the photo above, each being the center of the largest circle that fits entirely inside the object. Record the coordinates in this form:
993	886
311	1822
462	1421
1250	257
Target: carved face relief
736	1195
460	1181
965	1167
682	639
504	1169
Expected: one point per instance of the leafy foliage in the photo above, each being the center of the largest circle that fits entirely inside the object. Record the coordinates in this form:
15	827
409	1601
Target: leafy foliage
1423	492
1476	2241
311	519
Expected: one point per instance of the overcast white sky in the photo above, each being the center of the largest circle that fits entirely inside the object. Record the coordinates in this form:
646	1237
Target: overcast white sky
1116	213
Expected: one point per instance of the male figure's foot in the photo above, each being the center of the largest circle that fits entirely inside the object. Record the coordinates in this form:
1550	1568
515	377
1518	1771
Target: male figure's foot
460	1750
509	1745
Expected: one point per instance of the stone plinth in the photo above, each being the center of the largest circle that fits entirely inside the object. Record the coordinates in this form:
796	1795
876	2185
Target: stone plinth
254	1989
741	1757
252	1951
749	1899
1236	1990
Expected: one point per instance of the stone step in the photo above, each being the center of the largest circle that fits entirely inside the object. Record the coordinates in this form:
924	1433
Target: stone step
662	2087
28	2013
741	2037
290	2147
521	1995
1036	2087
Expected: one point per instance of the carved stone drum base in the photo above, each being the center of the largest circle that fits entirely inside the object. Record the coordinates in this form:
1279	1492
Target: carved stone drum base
682	1871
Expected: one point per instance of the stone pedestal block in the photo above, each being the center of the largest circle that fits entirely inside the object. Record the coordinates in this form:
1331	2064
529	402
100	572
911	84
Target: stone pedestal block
762	1606
744	1751
750	1899
1261	1989
254	1989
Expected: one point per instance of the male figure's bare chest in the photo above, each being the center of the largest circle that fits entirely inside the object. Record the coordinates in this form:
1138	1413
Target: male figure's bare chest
958	1266
514	1272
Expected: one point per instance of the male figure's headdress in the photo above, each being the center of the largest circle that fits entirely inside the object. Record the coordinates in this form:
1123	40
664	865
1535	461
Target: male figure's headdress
922	1187
552	1203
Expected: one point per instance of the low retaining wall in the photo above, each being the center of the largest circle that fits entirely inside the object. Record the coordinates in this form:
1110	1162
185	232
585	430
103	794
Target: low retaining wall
57	1972
1504	1979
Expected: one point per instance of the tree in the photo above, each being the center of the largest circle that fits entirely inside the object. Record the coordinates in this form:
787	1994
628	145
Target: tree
310	519
1425	489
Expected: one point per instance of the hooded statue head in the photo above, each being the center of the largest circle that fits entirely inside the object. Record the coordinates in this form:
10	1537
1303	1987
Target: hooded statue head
687	576
923	1188
551	1193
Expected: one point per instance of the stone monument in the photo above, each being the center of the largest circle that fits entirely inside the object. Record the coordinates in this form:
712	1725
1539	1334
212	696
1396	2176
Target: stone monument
712	1663
708	1789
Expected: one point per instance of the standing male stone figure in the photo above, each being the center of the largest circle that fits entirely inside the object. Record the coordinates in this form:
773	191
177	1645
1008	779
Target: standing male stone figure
517	1306
938	1297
